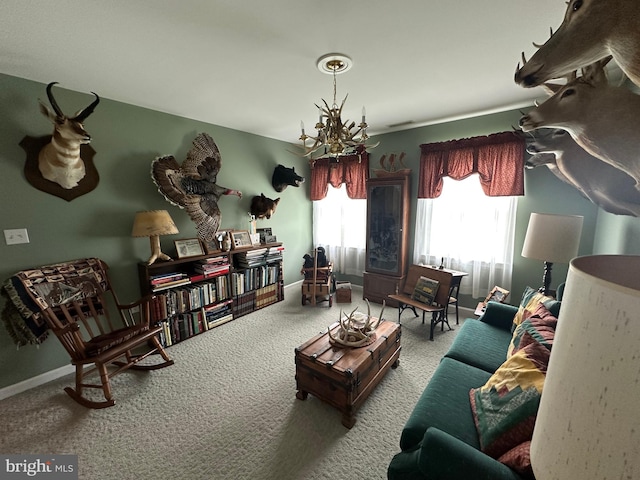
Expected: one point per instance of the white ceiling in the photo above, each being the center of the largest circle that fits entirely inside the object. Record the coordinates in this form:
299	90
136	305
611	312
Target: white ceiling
251	65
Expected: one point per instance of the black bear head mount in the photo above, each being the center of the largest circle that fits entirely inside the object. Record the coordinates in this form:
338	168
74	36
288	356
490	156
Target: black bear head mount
283	176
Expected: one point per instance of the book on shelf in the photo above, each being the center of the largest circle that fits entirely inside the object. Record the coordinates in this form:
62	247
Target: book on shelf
171	284
167	277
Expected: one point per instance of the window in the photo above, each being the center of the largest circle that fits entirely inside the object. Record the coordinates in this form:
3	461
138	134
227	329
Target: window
340	226
468	231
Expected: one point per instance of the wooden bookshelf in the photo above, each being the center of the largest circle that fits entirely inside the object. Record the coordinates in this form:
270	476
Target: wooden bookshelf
195	294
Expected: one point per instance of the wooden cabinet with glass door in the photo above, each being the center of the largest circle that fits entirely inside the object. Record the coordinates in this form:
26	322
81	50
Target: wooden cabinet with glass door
387	236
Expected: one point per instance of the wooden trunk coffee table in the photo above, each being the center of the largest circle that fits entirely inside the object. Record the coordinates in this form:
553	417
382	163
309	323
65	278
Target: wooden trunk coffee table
344	377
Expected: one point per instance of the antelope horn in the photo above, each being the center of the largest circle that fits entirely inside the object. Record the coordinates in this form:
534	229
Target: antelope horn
81	117
52	100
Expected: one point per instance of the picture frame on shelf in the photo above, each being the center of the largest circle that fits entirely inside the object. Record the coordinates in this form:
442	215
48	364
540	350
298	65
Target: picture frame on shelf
240	238
189	247
212	247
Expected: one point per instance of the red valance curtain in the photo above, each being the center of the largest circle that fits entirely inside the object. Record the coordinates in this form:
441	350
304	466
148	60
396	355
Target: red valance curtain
497	158
352	170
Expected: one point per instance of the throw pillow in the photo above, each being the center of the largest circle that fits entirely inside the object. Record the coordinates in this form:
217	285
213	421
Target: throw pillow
541	328
529	303
505	408
519	459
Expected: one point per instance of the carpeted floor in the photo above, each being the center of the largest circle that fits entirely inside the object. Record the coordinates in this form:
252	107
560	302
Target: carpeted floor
227	409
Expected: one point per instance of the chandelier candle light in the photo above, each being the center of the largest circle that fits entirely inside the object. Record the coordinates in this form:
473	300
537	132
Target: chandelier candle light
336	136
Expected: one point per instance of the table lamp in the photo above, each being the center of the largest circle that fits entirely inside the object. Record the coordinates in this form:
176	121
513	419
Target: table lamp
588	422
552	239
152	224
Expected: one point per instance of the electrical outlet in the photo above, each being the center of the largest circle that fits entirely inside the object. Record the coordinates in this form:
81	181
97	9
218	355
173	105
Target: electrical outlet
16	236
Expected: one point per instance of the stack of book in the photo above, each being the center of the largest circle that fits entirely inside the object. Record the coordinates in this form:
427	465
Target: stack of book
274	254
211	267
168	280
251	258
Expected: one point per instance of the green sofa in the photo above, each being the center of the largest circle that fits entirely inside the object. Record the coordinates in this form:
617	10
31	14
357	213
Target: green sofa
440	440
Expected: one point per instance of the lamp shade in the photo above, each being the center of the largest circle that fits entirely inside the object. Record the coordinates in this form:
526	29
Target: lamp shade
588	423
552	238
153	222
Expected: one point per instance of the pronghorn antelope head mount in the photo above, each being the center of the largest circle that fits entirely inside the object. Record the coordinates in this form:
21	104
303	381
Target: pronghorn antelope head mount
353	330
59	160
591	30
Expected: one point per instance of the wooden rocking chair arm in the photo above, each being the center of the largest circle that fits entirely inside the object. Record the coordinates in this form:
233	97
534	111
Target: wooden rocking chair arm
140	301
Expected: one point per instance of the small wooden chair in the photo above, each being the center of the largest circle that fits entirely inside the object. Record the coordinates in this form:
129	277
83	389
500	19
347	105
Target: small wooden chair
75	299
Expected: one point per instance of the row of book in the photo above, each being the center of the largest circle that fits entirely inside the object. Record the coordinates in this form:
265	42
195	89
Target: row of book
192	297
180	327
248	302
254	278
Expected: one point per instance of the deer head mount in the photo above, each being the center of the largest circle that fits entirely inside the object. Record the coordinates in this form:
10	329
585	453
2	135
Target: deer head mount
591	30
608	187
597	115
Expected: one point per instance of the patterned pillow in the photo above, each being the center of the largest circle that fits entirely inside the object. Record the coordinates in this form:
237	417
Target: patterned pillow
505	408
529	303
540	327
519	459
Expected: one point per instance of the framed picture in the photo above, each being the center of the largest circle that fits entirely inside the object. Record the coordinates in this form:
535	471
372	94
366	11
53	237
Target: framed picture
212	247
240	238
497	294
189	247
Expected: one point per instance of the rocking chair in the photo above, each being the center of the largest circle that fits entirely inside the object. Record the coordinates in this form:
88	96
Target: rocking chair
74	299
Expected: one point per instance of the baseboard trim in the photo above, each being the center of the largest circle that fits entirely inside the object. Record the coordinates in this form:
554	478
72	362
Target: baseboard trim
36	381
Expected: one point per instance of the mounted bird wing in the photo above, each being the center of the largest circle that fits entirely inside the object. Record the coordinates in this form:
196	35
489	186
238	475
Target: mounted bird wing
192	185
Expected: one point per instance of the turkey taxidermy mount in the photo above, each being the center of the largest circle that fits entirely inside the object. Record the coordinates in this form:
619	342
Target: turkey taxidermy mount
192	185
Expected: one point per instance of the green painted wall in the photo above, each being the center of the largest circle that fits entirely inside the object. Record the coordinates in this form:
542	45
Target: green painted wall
126	139
617	234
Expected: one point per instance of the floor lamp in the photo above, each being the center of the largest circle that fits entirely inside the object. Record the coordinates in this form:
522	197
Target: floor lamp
588	423
552	239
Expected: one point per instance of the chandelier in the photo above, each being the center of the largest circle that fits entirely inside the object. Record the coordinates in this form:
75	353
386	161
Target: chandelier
335	136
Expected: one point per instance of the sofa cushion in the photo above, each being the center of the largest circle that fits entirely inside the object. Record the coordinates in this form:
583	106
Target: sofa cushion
529	304
504	409
444	404
541	328
480	345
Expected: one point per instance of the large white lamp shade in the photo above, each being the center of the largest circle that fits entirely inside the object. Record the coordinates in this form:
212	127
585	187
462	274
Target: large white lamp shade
588	424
